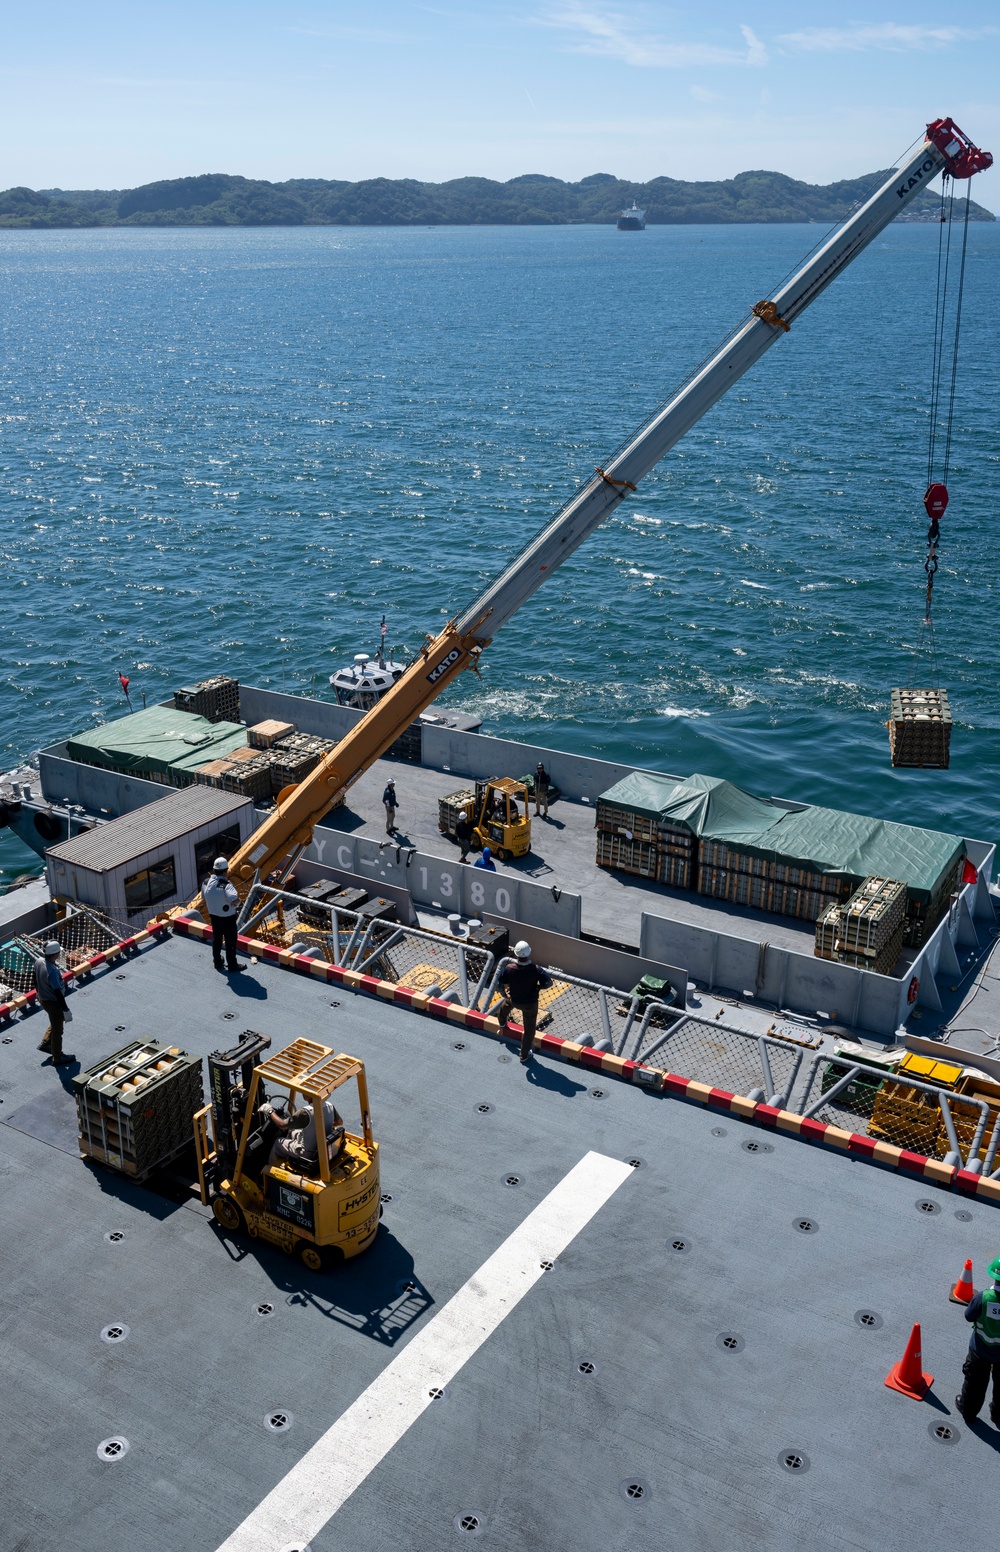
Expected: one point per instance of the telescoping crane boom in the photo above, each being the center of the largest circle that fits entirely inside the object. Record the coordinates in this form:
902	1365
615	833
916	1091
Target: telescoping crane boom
288	830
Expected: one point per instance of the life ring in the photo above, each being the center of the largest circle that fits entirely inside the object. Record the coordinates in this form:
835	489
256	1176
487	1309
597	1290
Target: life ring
48	827
912	990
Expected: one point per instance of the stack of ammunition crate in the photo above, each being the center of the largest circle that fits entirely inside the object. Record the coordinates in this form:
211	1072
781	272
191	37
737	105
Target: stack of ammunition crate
449	808
263	735
867	930
922	919
767	883
318	895
911	1118
293	757
920	728
218	699
634	842
135	1108
409	745
245	771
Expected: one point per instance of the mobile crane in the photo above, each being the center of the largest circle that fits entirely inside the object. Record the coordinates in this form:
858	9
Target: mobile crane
280	840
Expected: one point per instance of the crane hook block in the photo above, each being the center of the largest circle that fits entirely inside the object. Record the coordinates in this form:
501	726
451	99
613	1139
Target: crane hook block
936	500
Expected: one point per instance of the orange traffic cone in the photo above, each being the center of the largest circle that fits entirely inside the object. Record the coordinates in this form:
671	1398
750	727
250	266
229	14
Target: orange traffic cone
907	1376
963	1289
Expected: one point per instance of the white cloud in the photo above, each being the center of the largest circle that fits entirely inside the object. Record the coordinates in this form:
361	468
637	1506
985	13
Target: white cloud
894	36
756	52
612	35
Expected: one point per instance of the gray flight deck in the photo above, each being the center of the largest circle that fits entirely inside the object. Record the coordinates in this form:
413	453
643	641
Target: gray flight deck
702	1239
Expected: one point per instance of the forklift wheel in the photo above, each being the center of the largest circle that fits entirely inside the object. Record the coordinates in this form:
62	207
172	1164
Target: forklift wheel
311	1256
499	853
229	1214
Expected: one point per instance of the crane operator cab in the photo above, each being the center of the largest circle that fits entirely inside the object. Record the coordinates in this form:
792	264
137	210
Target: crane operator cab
275	1159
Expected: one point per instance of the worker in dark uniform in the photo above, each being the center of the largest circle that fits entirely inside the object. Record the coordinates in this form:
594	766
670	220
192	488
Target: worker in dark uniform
463	835
983	1358
52	997
520	982
390	804
223	904
297	1144
541	790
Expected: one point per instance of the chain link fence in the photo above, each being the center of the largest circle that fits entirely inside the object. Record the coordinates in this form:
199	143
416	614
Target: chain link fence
757	1066
582	1011
898	1109
81	934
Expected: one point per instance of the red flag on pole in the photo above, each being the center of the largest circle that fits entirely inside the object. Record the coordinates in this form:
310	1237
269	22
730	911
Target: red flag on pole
124	682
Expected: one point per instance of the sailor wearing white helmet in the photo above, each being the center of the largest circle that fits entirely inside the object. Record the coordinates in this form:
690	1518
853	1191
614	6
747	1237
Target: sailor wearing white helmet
521	980
463	835
51	994
223	905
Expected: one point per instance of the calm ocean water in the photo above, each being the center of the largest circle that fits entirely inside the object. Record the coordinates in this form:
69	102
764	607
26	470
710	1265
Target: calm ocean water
232	449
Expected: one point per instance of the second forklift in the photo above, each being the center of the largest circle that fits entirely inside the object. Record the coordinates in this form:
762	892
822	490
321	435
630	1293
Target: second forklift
498	813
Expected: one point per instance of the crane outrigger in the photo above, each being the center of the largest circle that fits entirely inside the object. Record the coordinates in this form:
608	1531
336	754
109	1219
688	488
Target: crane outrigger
281	839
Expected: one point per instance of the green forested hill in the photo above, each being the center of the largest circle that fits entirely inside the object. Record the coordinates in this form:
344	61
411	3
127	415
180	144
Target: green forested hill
220	199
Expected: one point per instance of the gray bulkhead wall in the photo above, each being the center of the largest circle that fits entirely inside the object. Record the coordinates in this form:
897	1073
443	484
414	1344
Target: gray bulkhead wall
439	883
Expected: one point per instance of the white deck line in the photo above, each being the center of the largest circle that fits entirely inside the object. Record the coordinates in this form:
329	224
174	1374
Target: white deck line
327	1475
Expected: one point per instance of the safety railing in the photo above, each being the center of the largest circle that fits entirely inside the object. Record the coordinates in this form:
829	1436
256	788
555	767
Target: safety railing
895	1108
431	962
82	934
578	1010
761	1067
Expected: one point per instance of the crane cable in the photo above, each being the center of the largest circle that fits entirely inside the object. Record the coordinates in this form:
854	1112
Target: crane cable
936	496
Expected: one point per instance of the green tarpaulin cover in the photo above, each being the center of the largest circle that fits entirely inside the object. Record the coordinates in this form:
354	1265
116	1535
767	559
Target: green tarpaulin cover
823	839
705	805
159	740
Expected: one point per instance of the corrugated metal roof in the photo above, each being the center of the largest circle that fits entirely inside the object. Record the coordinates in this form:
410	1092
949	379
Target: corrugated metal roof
147	828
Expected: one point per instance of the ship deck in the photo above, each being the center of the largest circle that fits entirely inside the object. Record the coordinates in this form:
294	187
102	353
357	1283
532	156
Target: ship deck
703	1239
563	852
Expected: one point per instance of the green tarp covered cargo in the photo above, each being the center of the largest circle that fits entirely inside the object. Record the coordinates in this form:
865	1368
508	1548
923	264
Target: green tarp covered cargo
160	744
704	805
854	845
822	840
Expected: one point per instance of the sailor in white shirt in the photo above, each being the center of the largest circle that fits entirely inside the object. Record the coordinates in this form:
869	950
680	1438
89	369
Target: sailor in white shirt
223	905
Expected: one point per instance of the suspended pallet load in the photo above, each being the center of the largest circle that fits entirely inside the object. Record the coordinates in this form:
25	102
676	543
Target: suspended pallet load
920	729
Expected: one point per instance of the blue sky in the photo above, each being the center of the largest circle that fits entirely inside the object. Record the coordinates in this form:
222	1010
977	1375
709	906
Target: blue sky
110	94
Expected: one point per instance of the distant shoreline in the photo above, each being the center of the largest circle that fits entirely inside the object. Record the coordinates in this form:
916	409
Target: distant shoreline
224	200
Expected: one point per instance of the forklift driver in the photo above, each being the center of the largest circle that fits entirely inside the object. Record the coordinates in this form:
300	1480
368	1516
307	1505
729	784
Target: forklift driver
298	1145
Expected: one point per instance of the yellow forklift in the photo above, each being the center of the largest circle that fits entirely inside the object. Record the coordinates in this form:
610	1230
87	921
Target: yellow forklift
500	819
323	1212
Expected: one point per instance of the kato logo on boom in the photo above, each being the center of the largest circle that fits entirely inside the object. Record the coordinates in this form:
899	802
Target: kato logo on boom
444	665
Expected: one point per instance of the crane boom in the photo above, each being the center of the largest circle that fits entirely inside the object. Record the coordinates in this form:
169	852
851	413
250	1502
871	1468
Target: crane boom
458	646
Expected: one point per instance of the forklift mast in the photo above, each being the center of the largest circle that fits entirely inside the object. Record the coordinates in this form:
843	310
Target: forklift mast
229	1077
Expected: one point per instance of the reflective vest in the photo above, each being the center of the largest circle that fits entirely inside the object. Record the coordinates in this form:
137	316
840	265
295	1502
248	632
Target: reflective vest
987	1322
